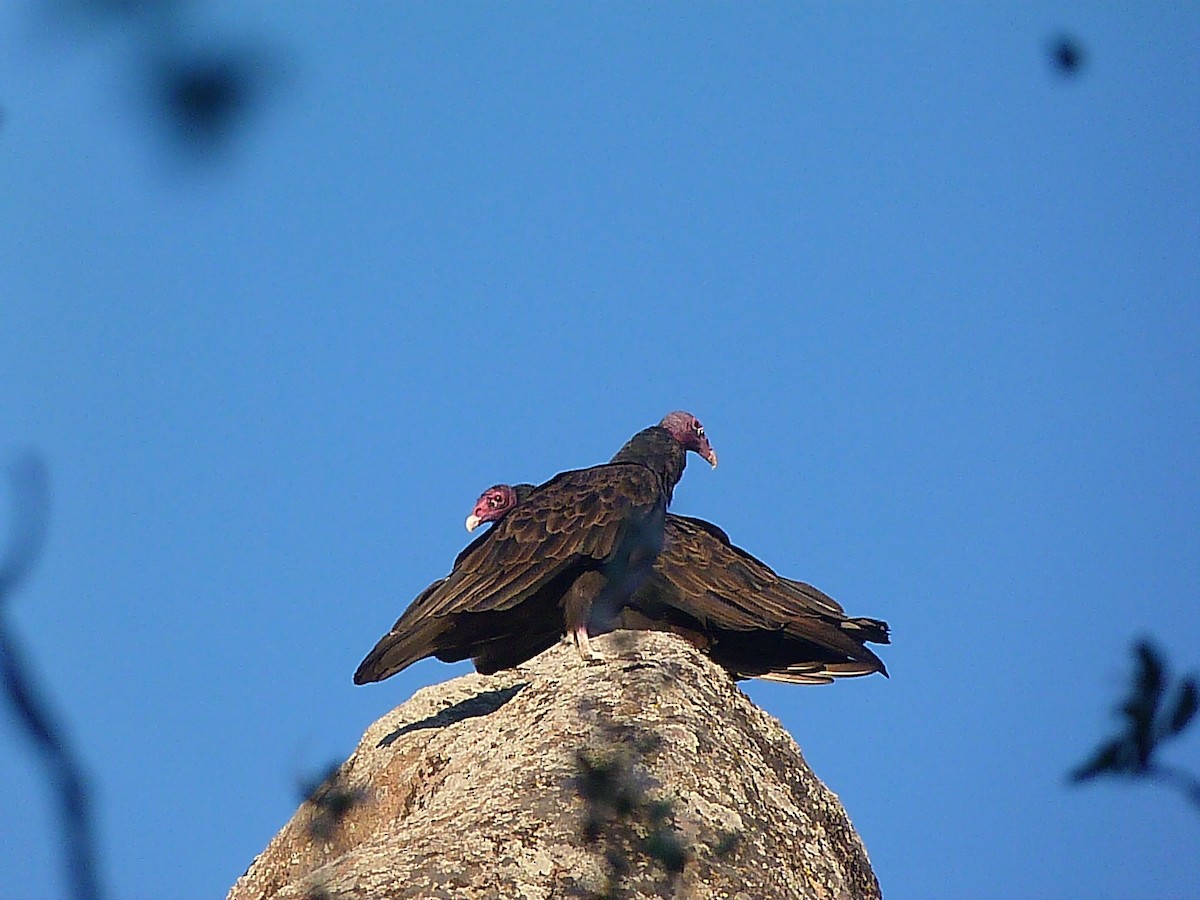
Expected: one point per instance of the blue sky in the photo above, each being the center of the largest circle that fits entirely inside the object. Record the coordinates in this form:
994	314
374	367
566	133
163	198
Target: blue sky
937	306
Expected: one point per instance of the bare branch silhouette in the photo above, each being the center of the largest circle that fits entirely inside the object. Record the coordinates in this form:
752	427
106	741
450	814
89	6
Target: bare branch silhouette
31	501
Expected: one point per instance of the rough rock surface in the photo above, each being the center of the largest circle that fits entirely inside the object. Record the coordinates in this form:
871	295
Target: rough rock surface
646	775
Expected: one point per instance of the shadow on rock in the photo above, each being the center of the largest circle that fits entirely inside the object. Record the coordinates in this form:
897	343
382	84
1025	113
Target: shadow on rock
480	705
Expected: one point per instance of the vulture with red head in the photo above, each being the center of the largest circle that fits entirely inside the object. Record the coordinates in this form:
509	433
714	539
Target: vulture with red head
577	548
731	605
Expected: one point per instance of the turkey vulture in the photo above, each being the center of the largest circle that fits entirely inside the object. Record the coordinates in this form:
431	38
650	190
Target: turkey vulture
728	603
585	539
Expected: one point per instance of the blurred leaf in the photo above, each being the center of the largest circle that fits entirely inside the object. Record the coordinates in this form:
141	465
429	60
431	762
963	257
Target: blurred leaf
332	799
1151	673
727	844
664	845
1142	707
658	811
1106	759
1185	707
205	97
1067	55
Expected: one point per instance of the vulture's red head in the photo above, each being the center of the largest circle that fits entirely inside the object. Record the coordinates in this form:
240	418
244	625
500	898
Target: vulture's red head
687	430
492	505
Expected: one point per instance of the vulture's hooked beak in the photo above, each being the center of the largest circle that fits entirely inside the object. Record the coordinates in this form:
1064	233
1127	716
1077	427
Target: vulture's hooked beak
473	522
711	457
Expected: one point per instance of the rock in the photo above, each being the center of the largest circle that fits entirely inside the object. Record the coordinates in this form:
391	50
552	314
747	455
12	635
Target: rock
646	775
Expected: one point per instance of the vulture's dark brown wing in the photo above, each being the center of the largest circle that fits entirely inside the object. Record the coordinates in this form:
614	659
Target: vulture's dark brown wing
760	625
605	518
578	520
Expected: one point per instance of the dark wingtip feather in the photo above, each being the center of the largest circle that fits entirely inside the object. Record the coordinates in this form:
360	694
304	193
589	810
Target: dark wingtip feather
873	631
364	675
371	670
394	653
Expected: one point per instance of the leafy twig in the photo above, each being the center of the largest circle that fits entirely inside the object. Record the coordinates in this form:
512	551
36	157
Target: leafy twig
1149	723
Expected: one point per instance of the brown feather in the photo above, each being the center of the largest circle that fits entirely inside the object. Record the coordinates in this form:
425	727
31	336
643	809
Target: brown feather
760	624
607	520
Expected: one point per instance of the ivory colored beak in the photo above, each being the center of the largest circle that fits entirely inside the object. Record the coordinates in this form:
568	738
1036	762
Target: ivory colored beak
473	522
712	458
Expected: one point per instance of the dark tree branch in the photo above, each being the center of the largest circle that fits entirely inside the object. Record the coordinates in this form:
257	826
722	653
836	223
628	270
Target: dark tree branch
31	501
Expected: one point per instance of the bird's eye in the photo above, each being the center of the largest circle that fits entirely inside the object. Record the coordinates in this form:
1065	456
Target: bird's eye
699	429
495	500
